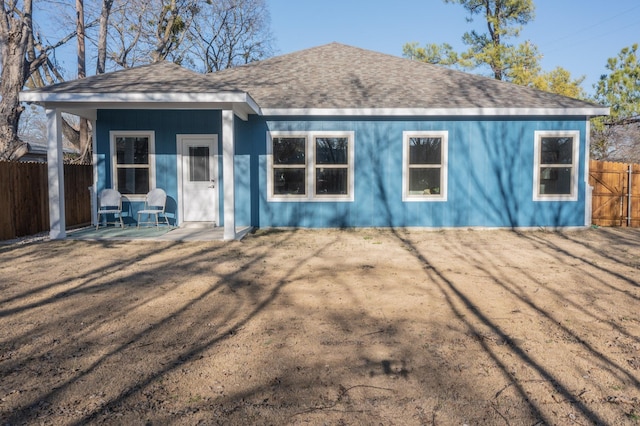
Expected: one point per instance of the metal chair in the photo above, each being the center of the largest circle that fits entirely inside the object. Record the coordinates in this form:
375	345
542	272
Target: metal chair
154	205
109	202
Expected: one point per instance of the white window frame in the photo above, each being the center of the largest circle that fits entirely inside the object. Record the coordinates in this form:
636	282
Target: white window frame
152	158
538	135
444	165
310	167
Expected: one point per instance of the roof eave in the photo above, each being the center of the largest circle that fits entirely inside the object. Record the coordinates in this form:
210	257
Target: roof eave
243	104
82	103
427	112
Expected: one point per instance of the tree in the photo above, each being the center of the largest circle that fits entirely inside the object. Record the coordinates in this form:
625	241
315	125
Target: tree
16	29
145	31
228	33
504	20
616	137
526	71
131	32
25	62
519	64
105	13
440	54
205	35
524	64
171	26
83	128
126	31
559	81
620	89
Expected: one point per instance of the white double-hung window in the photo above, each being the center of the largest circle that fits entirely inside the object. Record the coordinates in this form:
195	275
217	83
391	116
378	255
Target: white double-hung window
132	154
555	165
310	166
424	166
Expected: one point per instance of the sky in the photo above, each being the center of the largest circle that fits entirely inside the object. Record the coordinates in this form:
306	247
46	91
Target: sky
578	35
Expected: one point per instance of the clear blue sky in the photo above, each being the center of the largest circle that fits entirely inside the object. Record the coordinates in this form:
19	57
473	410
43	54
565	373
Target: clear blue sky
578	35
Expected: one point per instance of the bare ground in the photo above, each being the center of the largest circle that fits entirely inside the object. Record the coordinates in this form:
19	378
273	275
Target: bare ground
324	327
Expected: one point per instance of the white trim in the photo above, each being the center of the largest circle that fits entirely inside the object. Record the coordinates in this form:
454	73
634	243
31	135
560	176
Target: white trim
94	186
444	167
242	103
588	204
594	111
286	197
55	173
228	173
113	134
87	104
538	135
180	139
72	97
310	167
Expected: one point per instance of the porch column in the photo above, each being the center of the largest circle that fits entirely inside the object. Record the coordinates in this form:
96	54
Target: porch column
94	186
55	175
228	174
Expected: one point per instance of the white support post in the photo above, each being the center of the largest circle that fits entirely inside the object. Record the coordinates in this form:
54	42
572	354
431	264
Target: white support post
55	166
94	187
228	173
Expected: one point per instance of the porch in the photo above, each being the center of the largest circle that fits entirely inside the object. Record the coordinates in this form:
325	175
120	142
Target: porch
152	233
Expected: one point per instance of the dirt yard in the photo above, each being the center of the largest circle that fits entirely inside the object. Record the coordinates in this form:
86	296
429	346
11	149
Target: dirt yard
324	327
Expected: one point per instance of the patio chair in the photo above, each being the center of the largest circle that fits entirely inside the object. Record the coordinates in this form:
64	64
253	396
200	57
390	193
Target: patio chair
154	205
109	202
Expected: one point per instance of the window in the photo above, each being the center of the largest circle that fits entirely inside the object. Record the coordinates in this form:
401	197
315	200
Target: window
555	162
424	170
310	166
332	165
289	165
199	164
133	163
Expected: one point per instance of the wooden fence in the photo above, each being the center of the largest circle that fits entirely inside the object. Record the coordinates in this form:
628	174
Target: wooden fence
616	193
24	199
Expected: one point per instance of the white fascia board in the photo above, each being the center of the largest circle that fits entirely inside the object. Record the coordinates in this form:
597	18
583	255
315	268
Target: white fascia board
62	97
468	112
252	104
243	102
88	113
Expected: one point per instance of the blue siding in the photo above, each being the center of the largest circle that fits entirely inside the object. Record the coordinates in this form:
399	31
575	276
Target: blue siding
166	125
251	139
490	175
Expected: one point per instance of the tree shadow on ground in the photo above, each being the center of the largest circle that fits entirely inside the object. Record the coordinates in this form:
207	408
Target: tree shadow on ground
292	326
476	318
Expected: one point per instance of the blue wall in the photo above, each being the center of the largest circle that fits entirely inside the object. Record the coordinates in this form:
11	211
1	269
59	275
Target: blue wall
490	175
166	125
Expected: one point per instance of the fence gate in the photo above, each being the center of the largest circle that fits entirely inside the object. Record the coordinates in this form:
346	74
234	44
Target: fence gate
616	193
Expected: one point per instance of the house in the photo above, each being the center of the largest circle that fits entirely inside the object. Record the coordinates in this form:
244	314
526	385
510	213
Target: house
37	152
332	136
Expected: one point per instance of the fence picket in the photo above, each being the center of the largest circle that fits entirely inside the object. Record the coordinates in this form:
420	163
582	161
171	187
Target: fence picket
24	199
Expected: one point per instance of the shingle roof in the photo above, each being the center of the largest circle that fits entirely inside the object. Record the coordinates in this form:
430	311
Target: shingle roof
340	76
329	77
161	77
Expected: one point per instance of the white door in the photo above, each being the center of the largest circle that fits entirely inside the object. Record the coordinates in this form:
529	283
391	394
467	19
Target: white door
197	159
